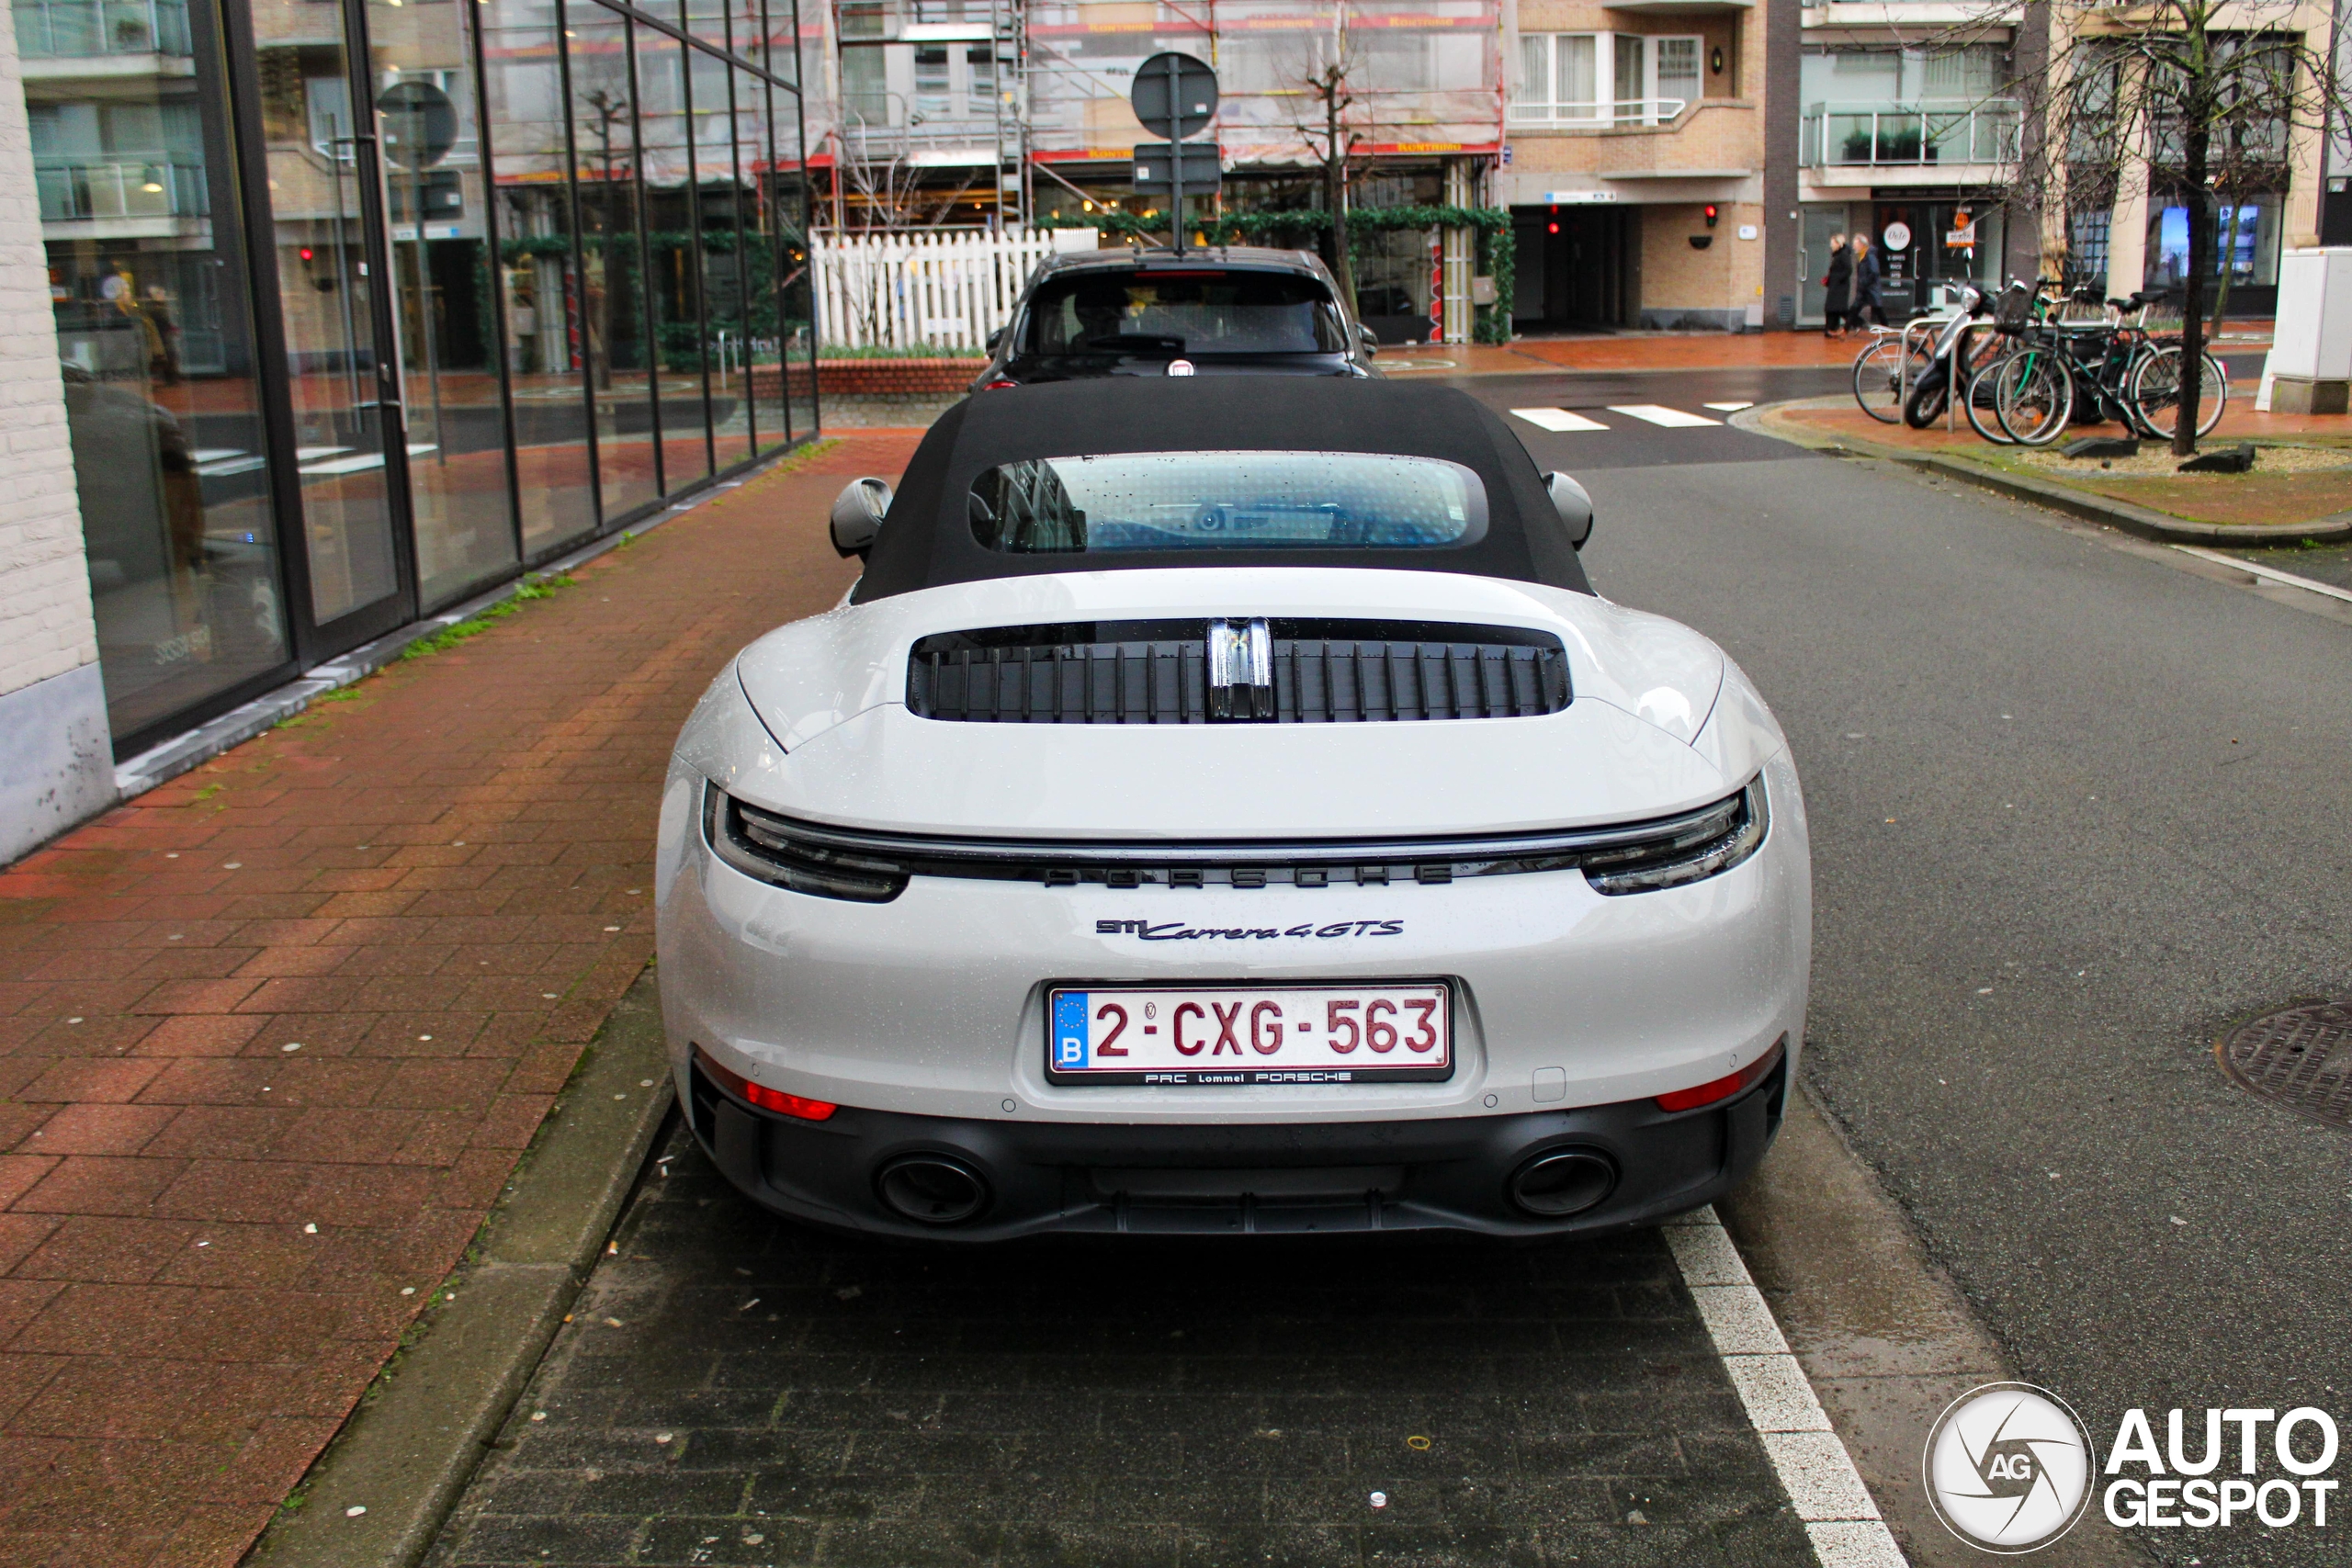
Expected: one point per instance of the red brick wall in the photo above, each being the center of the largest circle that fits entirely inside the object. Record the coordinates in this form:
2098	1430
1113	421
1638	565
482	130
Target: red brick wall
873	377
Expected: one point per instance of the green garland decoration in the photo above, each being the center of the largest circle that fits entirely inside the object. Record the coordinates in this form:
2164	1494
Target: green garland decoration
1303	227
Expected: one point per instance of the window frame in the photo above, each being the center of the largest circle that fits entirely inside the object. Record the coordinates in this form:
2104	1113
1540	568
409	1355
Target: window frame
1546	109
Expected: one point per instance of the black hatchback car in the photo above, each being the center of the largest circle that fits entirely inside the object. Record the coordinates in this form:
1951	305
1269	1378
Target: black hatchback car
1223	310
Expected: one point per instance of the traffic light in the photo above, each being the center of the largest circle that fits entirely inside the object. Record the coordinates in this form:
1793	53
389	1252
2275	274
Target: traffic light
1711	215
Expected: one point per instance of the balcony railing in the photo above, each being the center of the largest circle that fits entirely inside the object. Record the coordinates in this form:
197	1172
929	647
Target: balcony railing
71	189
1590	115
69	29
1975	131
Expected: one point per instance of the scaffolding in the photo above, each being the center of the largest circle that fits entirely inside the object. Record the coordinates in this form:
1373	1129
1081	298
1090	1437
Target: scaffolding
925	97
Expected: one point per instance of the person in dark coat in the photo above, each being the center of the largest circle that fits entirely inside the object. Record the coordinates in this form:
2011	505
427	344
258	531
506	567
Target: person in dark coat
1868	308
1839	284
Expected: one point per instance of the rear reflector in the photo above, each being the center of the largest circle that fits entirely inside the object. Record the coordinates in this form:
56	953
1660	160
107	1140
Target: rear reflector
767	1099
1723	1088
999	382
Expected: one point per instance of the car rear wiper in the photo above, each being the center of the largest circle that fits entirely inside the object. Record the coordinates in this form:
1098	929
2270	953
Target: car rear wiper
1138	343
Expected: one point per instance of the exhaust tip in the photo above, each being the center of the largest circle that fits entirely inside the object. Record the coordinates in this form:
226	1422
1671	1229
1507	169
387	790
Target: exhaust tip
931	1190
1562	1182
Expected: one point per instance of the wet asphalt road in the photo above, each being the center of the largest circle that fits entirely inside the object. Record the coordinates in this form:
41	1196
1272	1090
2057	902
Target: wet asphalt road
2074	813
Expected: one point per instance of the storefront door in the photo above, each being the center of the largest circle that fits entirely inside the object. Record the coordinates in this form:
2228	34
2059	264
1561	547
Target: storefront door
323	215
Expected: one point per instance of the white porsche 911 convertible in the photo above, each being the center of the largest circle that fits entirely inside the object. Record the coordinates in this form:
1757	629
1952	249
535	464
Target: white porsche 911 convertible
1223	806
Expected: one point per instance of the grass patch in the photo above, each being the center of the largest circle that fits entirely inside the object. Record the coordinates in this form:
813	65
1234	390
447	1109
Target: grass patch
450	636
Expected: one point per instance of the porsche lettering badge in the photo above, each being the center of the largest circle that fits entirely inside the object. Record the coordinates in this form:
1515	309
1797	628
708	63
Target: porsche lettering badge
1241	670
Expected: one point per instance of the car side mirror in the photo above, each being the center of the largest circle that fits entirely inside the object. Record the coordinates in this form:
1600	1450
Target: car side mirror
1570	500
858	516
996	340
1370	343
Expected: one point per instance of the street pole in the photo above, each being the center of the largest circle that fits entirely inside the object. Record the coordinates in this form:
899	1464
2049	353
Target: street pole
1176	161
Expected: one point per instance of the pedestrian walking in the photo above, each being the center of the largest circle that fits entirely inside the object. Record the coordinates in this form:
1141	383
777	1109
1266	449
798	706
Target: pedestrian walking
1867	307
1839	284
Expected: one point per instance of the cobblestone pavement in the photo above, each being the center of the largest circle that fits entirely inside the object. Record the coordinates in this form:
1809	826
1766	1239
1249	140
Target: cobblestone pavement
733	1389
273	1034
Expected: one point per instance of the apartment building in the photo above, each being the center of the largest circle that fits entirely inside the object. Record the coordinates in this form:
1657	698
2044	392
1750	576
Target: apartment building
352	308
963	112
2141	240
1634	173
1908	131
1910	116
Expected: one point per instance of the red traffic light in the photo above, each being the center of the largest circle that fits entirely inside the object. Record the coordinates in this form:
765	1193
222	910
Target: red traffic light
306	252
1711	215
1556	228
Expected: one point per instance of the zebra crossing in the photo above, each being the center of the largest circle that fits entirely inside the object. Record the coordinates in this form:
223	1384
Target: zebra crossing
1659	414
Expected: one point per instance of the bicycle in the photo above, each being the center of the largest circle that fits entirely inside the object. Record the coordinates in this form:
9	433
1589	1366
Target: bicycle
2063	373
1879	375
2019	308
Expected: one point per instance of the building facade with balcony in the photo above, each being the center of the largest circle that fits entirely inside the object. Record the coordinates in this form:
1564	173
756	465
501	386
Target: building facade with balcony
355	309
1634	173
1907	128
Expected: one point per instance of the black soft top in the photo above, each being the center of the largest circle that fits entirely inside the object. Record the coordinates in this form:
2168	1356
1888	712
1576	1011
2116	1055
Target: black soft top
926	539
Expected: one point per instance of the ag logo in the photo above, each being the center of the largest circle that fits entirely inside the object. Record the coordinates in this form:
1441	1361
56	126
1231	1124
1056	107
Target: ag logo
2008	1468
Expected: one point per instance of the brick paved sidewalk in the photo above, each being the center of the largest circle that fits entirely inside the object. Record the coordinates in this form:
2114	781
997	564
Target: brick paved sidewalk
272	1036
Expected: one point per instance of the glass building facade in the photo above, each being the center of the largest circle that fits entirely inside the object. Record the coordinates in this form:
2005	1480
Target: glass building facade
366	305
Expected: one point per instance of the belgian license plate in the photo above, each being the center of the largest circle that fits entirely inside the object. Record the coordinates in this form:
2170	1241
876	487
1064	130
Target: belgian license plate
1386	1033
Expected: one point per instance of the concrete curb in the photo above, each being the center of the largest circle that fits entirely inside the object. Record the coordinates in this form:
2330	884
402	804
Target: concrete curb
404	1457
2121	515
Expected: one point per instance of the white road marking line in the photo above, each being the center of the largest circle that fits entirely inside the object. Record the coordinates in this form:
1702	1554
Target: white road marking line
1840	1519
1727	408
2270	573
1658	413
1560	419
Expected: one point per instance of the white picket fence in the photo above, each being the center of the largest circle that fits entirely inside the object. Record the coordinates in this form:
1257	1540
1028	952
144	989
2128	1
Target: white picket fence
946	291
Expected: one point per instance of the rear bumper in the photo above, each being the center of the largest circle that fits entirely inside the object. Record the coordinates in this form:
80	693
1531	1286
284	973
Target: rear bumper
1449	1174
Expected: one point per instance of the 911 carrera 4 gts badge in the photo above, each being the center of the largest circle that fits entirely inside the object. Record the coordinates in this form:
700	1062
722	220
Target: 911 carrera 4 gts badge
1176	931
1241	670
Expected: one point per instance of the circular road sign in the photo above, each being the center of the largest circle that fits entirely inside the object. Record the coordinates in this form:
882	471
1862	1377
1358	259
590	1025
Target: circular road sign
420	124
1174	96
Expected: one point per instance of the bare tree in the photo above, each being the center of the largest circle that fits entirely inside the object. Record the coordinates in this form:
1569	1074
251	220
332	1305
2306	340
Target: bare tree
1338	141
2195	103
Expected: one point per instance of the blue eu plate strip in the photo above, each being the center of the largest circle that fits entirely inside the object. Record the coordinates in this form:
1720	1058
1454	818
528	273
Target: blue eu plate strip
1069	1032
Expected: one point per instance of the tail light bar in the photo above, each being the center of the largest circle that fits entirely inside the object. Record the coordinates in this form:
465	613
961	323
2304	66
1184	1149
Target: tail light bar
758	1094
1716	1091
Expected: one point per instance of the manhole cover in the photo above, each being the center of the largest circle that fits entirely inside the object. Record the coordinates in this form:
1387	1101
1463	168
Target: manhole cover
2299	1056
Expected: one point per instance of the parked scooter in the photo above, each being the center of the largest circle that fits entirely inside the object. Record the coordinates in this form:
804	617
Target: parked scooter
1924	403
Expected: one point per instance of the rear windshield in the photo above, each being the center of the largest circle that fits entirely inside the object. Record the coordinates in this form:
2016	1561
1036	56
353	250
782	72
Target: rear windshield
1240	501
1166	314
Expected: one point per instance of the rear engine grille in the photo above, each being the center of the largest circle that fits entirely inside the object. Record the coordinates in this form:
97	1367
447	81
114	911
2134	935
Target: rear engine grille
1156	672
871	867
